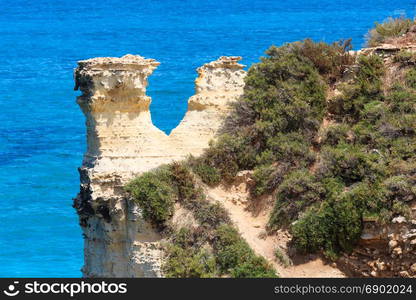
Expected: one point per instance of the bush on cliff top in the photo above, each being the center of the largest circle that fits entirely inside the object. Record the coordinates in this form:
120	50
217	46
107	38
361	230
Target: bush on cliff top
300	189
157	191
376	130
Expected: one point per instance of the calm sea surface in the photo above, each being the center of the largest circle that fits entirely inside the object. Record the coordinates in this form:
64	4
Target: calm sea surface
42	133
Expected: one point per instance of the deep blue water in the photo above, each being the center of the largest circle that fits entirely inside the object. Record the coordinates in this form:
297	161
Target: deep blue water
42	134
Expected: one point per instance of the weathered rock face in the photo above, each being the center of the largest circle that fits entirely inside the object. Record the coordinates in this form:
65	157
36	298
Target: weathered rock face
122	142
385	251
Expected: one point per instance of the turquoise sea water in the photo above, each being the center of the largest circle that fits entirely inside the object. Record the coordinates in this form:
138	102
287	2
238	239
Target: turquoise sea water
42	134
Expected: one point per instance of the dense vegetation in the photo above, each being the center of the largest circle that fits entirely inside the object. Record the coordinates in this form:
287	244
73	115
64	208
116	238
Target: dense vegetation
324	131
327	178
213	248
392	28
222	252
279	114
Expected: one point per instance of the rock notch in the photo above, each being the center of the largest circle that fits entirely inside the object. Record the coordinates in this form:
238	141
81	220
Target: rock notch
122	142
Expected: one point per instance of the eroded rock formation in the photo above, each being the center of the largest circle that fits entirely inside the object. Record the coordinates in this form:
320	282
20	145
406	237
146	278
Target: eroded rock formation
122	142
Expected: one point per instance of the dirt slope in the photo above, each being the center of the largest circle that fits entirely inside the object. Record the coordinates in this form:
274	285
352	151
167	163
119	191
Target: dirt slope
251	222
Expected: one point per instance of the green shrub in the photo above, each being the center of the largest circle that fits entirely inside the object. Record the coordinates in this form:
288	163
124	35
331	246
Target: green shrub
400	208
336	224
293	148
189	263
282	258
261	177
254	267
183	181
398	125
369	74
330	60
226	156
401	100
402	148
153	192
157	191
405	58
335	134
299	190
410	78
191	197
234	256
210	214
187	259
208	174
373	111
365	134
400	188
392	27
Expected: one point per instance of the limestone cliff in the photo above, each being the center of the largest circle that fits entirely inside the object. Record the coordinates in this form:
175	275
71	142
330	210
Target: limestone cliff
122	142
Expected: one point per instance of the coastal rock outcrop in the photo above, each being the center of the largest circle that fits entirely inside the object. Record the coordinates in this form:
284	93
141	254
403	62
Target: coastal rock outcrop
384	251
122	142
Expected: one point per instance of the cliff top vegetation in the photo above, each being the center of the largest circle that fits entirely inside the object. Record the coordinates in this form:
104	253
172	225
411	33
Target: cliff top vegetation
330	132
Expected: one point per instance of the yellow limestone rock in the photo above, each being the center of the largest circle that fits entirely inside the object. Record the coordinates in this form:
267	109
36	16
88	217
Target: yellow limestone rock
122	142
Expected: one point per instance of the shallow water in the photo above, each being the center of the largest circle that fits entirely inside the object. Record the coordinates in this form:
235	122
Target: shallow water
42	134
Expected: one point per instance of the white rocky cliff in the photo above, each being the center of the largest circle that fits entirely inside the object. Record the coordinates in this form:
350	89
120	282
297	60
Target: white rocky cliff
122	142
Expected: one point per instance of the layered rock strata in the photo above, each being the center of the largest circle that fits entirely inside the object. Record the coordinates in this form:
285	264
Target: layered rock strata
122	142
